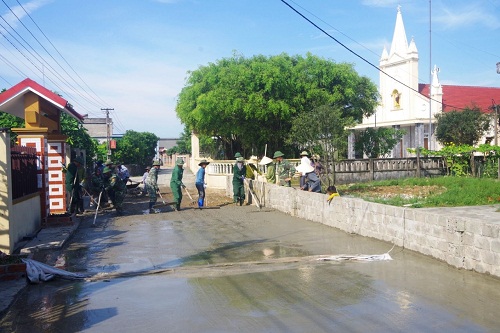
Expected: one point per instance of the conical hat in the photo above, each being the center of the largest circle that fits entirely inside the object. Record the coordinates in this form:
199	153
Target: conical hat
304	168
265	160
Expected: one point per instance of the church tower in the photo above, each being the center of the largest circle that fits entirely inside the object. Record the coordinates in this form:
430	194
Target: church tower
401	65
404	102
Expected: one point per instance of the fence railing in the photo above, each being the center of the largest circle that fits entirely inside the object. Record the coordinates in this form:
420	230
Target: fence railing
24	171
349	171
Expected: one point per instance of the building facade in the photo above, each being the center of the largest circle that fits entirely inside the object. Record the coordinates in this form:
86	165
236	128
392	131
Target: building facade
411	106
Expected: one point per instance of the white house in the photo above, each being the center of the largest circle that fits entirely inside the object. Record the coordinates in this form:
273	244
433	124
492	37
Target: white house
405	104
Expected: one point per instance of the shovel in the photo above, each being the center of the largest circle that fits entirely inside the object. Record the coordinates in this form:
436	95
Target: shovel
189	195
98	204
161	197
254	196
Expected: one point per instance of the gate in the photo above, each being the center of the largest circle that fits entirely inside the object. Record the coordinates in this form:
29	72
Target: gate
24	171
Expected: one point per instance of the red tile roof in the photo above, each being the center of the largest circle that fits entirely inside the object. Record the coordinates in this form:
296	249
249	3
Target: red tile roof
11	98
459	97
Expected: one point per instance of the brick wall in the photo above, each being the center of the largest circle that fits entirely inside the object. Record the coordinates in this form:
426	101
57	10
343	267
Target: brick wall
464	240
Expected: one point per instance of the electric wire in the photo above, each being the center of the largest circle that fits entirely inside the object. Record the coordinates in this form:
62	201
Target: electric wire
31	61
362	58
62	57
42	60
353	40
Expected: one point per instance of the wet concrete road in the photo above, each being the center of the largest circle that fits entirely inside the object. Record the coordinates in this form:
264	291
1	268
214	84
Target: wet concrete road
241	269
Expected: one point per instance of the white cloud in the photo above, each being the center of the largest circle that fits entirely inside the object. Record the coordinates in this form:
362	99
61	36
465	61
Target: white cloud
471	15
381	3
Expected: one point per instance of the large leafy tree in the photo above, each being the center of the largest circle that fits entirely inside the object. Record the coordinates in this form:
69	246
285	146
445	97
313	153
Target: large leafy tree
377	142
321	131
462	127
136	148
248	103
78	136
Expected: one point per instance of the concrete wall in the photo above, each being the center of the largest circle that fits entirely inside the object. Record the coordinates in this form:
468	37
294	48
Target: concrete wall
20	218
468	242
25	219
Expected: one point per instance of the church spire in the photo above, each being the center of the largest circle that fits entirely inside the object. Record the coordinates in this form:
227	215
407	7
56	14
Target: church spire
399	44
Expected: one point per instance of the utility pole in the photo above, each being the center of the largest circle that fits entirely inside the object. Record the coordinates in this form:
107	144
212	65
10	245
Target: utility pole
108	132
430	77
495	122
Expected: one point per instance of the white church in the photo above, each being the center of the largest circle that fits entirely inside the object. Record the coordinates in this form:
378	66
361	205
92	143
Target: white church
405	104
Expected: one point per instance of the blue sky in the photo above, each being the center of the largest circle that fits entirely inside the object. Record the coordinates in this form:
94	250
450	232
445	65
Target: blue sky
134	55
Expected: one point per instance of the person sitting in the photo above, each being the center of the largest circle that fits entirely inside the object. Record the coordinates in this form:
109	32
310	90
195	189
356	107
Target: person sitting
331	191
304	159
312	183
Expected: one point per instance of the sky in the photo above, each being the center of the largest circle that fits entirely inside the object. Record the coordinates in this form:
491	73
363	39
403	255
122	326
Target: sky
133	56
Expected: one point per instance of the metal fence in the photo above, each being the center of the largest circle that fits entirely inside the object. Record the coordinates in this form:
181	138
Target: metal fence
24	171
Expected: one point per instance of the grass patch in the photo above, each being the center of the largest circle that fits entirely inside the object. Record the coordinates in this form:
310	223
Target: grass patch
427	192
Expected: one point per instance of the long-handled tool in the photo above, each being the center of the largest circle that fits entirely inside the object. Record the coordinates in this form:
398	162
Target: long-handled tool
189	195
254	196
163	202
161	196
98	204
72	193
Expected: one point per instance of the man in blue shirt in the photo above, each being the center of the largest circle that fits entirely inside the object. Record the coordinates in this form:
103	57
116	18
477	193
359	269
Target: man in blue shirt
200	182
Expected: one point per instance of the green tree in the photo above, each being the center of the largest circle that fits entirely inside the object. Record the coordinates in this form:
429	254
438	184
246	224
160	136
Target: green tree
78	136
462	127
10	121
377	142
321	131
136	148
248	103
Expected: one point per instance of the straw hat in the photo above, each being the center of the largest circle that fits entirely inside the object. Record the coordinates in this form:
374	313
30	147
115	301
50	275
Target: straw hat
304	153
253	160
203	162
265	160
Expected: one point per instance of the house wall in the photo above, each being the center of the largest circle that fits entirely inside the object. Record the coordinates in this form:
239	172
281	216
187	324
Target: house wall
463	241
20	218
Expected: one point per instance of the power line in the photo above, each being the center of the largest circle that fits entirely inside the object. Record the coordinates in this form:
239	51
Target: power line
360	57
62	57
41	59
